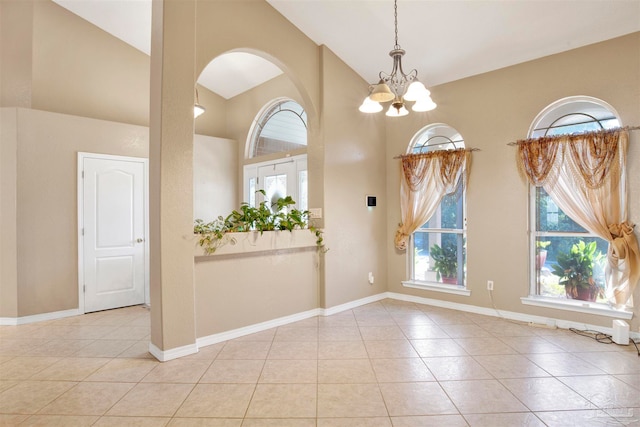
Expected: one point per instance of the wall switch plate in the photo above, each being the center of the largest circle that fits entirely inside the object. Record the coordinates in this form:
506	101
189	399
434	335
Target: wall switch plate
489	285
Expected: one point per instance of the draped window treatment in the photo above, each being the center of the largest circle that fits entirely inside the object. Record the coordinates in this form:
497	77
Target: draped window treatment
585	175
426	179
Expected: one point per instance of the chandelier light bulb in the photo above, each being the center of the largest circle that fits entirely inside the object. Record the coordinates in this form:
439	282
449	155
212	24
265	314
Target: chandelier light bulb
397	109
198	110
381	93
424	104
369	106
416	91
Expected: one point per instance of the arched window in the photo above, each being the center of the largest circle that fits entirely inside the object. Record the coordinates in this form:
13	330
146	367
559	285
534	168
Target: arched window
279	134
554	234
437	252
280	127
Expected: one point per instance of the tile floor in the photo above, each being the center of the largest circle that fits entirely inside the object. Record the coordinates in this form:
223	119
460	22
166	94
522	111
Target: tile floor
385	364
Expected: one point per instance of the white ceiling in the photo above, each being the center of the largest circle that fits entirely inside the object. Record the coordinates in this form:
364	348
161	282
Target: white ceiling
445	40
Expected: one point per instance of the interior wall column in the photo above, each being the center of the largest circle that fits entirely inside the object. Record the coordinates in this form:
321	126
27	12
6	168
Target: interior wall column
173	332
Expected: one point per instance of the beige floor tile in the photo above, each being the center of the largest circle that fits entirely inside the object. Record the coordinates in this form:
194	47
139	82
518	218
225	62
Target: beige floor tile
208	352
139	350
60	420
613	363
205	422
128	333
259	336
296	334
482	396
108	421
426	398
484	346
350	400
339	333
401	370
71	369
448	317
564	364
124	370
377	333
283	401
465	331
289	350
368	320
456	368
504	328
412	318
633	380
510	366
23	367
342	350
543	394
421	332
10	420
591	418
604	391
152	400
104	348
354	422
7	384
389	349
579	344
290	372
233	371
177	371
345	371
521	419
438	348
266	422
88	398
29	397
345	318
532	344
245	350
59	347
430	421
217	400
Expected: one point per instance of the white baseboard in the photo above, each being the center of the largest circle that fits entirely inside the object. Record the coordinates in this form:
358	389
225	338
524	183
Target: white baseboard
13	321
173	353
353	304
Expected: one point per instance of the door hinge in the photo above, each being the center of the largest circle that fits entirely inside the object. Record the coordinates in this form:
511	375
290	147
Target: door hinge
82	231
84	289
82	174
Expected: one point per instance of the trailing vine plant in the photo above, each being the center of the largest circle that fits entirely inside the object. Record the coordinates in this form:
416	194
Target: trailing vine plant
279	216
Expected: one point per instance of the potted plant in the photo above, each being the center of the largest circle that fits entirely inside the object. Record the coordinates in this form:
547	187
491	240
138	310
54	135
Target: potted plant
445	263
575	270
541	253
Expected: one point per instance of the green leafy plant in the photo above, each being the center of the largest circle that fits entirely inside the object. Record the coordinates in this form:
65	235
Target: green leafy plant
540	245
279	216
575	270
445	260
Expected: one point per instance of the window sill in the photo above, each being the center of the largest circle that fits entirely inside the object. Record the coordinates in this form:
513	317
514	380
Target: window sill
436	287
580	307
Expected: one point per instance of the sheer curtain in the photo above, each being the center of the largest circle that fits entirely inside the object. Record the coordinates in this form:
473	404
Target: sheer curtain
585	175
426	179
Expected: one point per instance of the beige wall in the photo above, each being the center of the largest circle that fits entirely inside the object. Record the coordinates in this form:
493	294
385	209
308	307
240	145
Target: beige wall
354	166
46	176
491	110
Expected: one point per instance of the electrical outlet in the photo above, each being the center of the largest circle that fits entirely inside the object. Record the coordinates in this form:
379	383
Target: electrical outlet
371	278
489	285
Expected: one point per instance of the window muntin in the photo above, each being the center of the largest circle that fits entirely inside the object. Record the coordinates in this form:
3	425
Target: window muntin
438	247
280	128
554	232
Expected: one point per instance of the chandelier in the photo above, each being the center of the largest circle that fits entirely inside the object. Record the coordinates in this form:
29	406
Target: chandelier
398	86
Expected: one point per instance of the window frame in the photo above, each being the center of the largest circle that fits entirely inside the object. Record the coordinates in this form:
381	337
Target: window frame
551	115
452	138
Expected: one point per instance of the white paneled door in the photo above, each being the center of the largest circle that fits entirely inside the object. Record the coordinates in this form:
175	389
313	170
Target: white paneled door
112	231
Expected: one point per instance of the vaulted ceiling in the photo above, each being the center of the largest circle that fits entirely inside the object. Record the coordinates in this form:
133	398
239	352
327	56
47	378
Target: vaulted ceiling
445	40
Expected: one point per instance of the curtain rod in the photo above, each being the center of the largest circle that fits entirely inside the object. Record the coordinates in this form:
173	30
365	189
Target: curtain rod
465	149
630	128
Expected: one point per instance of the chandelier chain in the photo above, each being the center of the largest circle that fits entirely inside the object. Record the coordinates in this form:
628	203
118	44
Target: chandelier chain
395	17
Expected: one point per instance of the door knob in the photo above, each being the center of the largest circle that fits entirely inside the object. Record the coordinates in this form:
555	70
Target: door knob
139	240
